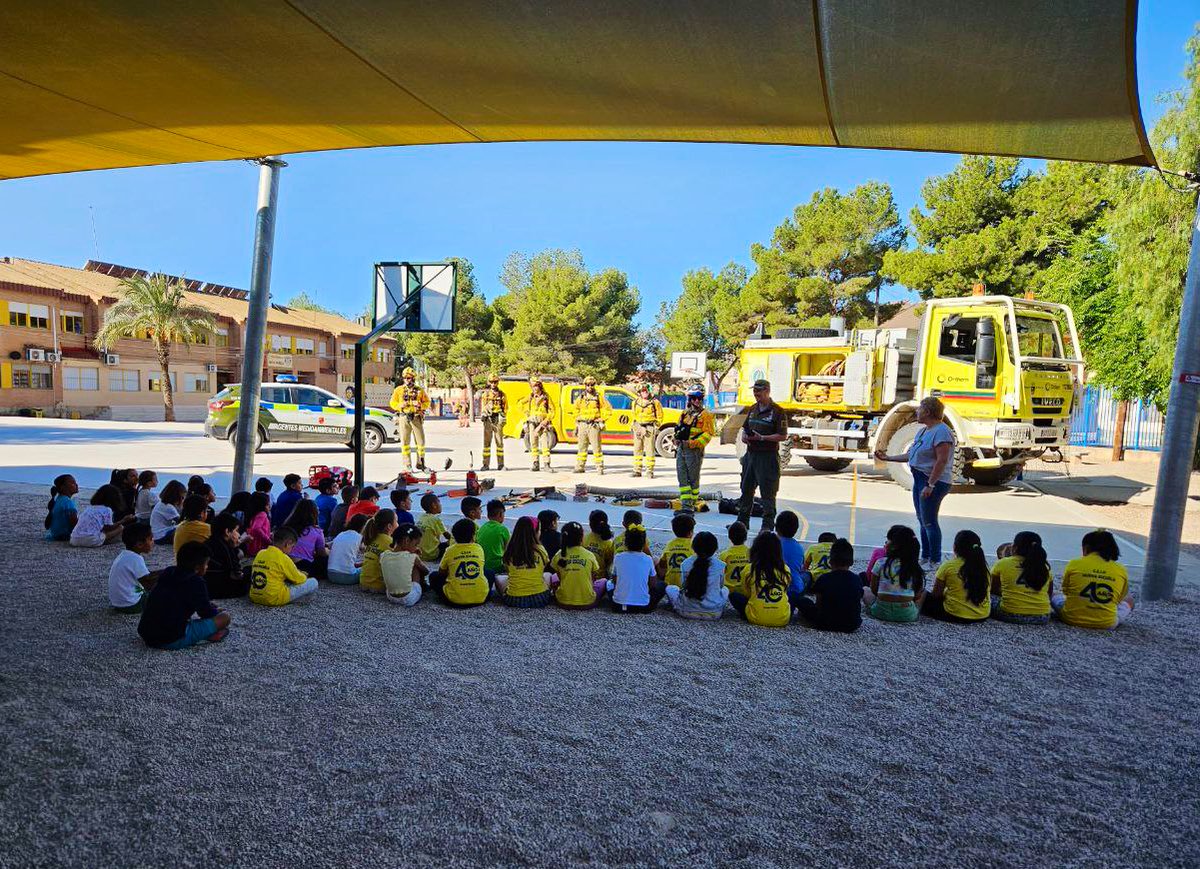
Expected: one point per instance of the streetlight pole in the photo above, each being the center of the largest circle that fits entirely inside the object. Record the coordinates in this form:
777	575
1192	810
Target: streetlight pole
1179	440
256	321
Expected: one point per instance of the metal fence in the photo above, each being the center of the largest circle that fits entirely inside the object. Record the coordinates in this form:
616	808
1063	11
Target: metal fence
1094	422
711	400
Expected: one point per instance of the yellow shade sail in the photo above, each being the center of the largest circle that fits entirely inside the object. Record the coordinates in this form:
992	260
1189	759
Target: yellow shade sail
95	85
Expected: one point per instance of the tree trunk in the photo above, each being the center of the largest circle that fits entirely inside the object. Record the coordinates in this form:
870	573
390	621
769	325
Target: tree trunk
470	399
164	362
1118	453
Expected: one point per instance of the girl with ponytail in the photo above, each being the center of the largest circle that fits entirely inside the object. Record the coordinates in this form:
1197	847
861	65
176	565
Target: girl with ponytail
1023	583
703	594
897	591
1095	587
376	539
961	593
61	512
577	583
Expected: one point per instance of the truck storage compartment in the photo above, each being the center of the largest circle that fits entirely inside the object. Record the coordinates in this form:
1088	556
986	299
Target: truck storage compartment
819	377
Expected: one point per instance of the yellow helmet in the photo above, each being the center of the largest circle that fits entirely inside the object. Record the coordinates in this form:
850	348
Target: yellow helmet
408	372
493	378
535	381
589	381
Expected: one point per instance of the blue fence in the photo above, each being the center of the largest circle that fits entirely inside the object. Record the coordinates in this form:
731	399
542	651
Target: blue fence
711	400
1094	422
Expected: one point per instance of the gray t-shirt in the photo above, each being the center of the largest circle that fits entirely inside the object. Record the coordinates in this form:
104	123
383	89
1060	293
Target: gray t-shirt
923	452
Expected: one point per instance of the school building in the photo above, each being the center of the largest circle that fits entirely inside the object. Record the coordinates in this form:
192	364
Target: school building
50	314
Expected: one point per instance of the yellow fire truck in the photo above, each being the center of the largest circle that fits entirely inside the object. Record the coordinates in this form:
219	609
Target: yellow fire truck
1002	366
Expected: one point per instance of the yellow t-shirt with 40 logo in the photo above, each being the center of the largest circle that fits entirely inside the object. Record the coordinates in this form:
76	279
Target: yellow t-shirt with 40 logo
736	560
677	552
463	566
767	603
1093	587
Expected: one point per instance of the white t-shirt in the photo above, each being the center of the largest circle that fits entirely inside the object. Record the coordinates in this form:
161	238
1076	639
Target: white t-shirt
631	578
163	517
124	589
146	500
92	521
712	600
343	552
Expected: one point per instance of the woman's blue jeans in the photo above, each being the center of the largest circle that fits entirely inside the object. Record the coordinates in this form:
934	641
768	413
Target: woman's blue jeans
927	514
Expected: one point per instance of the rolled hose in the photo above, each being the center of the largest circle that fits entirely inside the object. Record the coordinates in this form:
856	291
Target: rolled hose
662	494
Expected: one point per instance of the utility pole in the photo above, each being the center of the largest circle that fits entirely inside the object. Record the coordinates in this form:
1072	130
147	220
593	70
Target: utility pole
1179	440
256	321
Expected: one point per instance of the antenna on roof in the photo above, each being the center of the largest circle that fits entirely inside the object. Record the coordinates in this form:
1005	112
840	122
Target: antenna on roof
95	240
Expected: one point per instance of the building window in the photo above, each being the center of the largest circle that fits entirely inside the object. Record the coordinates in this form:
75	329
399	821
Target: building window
195	383
72	322
347	351
32	377
322	349
32	316
154	382
202	339
222	338
304	346
281	344
84	379
383	355
123	380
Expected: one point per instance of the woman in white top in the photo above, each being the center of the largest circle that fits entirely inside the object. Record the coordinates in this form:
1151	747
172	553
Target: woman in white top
635	586
344	558
930	457
703	594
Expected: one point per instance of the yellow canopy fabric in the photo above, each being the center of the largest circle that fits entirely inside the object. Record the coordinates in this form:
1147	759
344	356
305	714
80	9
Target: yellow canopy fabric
87	85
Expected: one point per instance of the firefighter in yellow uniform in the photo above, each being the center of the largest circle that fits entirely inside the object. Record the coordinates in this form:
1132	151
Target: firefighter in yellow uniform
538	411
493	407
647	417
695	429
591	413
410	403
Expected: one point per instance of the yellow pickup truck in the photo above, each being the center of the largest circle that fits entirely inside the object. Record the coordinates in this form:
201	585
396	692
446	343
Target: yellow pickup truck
618	429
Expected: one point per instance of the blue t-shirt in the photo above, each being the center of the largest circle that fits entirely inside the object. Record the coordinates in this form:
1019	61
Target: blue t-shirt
325	505
923	452
60	518
403	517
284	505
793	556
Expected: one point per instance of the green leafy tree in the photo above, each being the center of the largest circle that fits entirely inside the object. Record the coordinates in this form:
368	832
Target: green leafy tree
157	307
558	318
690	323
824	260
304	302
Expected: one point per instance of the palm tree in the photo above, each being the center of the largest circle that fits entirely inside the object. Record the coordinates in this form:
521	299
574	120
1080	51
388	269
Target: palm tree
156	306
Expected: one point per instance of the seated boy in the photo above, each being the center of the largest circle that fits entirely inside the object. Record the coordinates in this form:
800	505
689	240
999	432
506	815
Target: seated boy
460	581
128	578
787	524
838	592
274	579
402	503
180	592
472	508
493	538
327	501
678	549
434	537
816	559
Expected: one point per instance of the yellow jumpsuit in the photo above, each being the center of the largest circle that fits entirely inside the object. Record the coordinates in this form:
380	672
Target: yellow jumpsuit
410	403
591	412
647	417
538	411
492	407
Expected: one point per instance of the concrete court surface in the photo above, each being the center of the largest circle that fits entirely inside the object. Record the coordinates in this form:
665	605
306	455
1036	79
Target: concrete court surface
860	505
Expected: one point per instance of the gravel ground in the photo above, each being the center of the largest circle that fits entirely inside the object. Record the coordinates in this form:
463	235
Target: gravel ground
346	731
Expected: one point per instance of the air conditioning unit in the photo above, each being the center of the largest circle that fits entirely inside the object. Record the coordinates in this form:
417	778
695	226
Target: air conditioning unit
211	368
112	359
53	357
35	354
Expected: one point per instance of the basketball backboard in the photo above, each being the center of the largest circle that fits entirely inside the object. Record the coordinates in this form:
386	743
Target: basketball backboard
426	292
688	365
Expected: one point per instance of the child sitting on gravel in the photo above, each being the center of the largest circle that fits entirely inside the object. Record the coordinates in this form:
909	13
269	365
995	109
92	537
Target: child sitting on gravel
326	501
896	593
344	562
194	527
257	536
787	526
816	559
525	562
179	594
61	512
147	497
494	538
402	504
264	485
164	516
960	594
577	584
225	577
703	594
636	586
367	503
128	578
678	550
337	519
403	571
737	557
838	592
1023	583
763	599
1095	588
96	525
459	580
631	517
274	579
377	539
434	538
548	532
599	541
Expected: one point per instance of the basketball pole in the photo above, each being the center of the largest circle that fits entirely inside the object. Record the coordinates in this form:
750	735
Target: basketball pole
256	320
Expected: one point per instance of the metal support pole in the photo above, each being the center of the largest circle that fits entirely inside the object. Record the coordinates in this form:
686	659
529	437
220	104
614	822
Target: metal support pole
360	410
1179	440
256	321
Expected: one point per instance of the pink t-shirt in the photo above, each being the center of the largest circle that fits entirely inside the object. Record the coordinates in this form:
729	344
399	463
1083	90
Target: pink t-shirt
259	532
879	553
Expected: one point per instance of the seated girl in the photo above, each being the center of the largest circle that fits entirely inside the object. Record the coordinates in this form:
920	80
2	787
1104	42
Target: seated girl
345	560
961	593
147	496
526	563
636	586
599	540
96	525
377	539
763	599
61	512
194	527
1022	583
257	536
225	577
164	516
703	594
403	571
309	553
577	584
1095	587
897	591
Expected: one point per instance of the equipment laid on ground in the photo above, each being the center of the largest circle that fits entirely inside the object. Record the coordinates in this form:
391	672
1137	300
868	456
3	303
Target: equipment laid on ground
408	478
317	473
1000	365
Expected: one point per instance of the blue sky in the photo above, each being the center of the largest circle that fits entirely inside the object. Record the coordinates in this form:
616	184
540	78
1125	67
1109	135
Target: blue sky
652	210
